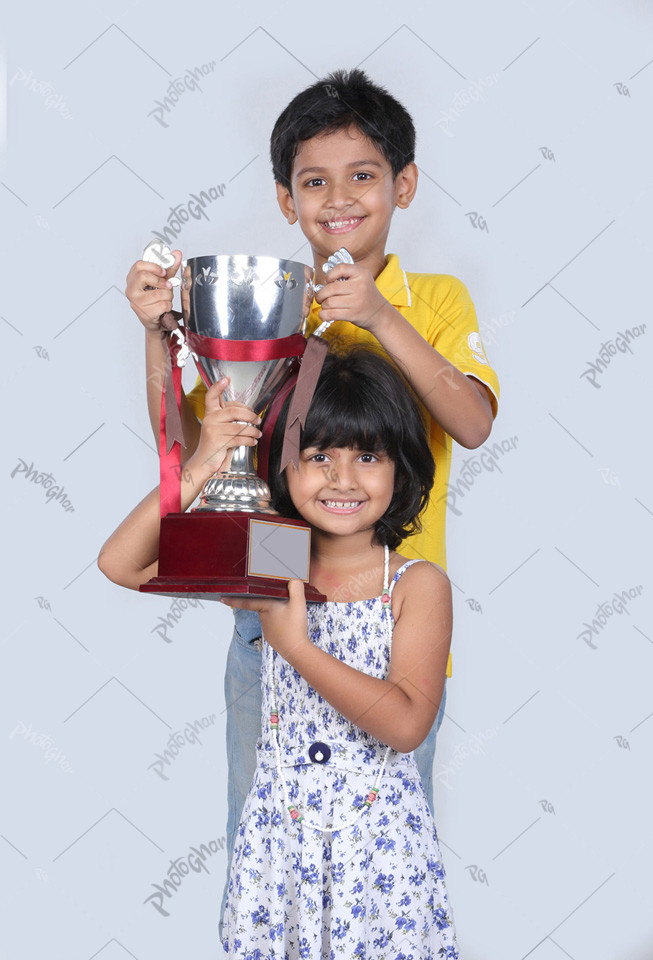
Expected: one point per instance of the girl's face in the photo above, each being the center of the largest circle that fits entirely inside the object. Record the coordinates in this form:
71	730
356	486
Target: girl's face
341	490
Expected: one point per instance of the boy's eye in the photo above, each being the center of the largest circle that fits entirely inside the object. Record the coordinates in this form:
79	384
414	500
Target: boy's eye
362	176
315	182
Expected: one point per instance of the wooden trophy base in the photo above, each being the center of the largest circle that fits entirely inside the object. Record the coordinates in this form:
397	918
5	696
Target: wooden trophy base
213	554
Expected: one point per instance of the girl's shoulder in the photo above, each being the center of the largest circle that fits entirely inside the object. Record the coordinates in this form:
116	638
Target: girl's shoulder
420	586
408	575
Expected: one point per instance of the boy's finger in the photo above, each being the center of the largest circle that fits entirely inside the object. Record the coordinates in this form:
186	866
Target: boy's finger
171	271
327	293
148	279
343	271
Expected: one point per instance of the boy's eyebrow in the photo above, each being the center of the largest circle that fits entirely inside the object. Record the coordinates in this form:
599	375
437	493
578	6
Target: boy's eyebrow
354	163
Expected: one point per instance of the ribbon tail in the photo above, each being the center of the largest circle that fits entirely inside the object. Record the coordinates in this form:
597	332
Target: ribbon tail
172	395
171	437
309	374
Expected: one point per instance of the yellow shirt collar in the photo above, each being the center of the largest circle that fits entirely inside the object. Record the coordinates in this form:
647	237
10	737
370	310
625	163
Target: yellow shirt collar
393	284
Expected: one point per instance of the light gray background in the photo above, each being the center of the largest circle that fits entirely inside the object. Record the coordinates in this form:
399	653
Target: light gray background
543	764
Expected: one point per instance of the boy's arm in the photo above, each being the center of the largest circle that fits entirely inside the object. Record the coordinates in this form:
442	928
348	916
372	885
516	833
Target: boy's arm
459	403
150	294
401	709
130	555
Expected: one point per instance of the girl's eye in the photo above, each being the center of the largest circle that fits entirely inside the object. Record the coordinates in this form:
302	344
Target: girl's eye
318	458
368	458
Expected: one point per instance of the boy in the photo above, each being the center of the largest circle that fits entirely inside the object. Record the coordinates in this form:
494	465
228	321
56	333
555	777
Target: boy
343	160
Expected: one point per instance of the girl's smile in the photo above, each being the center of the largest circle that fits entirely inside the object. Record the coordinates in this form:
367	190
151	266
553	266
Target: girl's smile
341	506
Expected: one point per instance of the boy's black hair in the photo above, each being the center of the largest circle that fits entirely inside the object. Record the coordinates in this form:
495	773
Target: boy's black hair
341	100
362	401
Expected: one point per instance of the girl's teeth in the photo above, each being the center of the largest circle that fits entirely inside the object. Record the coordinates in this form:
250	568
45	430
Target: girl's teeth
342	504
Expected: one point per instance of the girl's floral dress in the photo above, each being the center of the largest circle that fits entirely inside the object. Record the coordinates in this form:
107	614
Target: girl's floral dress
371	891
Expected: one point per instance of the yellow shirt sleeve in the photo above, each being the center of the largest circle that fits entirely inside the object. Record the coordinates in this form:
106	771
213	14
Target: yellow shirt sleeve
452	328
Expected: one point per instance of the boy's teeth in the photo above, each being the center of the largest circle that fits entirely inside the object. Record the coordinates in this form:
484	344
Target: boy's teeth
336	224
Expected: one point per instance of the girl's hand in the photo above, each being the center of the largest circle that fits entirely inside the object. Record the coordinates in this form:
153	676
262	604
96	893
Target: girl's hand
351	294
226	425
150	294
284	622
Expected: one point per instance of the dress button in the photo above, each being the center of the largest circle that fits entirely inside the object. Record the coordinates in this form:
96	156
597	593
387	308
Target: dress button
319	752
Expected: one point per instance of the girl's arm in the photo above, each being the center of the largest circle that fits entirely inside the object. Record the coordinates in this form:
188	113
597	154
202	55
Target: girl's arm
400	710
130	555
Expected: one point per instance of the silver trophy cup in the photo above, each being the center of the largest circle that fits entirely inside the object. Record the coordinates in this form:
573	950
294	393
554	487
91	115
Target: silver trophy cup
244	298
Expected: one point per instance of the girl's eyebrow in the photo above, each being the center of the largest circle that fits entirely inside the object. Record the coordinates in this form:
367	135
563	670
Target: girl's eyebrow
355	163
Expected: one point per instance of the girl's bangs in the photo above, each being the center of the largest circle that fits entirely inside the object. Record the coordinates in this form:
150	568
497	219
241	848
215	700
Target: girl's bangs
350	417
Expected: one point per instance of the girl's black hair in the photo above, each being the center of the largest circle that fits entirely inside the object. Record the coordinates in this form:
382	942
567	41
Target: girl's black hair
341	100
361	401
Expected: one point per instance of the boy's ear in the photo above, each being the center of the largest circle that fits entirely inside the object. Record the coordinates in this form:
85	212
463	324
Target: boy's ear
406	185
286	204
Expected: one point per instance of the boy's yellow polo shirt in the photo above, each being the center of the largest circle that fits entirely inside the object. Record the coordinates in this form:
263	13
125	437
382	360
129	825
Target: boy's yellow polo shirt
440	309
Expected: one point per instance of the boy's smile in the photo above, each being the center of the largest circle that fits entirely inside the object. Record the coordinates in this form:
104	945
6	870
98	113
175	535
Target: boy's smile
342	225
343	191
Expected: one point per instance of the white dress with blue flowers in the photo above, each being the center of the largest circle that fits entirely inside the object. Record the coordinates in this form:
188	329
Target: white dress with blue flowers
371	891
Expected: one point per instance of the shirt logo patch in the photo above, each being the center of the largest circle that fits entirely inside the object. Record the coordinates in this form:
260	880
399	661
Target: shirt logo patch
476	346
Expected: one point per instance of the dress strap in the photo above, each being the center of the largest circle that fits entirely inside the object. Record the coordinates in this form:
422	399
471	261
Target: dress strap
402	569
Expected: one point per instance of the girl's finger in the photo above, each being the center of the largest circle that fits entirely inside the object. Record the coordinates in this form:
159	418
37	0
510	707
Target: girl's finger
214	395
296	592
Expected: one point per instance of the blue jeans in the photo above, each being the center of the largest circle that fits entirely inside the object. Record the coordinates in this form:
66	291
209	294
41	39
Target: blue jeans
242	690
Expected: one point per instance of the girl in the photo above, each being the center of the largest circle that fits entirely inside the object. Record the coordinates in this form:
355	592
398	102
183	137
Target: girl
337	853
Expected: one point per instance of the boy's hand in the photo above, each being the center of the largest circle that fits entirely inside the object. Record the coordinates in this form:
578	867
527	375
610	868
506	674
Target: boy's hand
150	294
225	426
351	294
284	622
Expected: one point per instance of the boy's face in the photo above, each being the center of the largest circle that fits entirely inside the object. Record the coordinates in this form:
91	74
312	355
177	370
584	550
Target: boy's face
343	194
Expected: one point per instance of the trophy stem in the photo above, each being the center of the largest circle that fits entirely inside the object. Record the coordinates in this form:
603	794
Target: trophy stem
236	489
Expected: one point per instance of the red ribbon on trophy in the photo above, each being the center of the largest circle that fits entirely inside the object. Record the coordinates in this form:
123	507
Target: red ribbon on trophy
171	437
